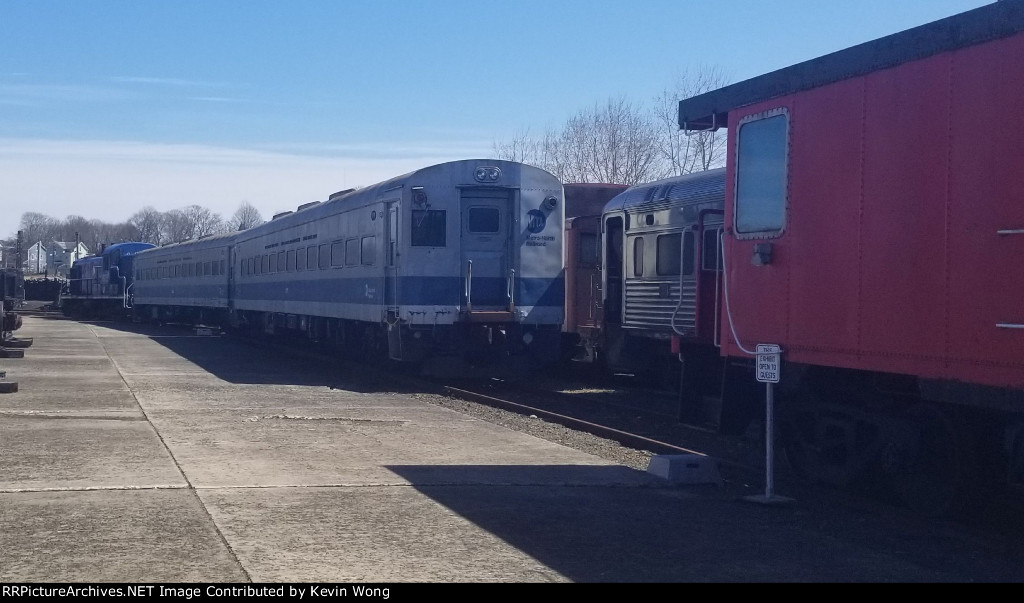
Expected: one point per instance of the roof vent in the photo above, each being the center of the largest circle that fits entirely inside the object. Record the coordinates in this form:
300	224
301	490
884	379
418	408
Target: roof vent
280	215
341	193
305	205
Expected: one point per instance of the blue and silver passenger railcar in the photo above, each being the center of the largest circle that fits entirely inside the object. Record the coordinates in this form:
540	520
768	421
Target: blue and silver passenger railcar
457	261
186	281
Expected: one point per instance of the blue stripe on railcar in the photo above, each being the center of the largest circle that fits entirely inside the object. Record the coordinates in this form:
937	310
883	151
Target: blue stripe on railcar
412	290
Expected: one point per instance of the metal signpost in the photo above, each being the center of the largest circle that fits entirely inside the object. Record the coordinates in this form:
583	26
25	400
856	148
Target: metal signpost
769	365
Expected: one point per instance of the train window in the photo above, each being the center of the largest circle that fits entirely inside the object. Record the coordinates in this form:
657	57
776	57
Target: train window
290	260
484	219
199	269
338	253
709	255
428	228
222	267
273	262
207	268
300	258
638	256
761	162
177	271
265	264
367	251
589	254
325	258
280	261
669	254
163	272
351	252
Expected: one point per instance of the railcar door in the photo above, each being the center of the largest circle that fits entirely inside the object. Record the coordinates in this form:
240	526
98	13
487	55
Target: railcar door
585	265
485	244
709	288
232	277
391	231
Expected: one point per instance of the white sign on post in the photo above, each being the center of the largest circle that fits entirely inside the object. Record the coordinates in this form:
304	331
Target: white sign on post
768	362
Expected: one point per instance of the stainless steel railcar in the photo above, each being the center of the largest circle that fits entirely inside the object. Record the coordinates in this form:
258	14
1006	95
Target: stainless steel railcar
660	277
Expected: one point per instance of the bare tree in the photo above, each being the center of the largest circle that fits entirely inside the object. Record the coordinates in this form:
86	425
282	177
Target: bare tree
687	152
204	221
619	142
78	226
147	223
37	227
190	222
542	152
245	217
616	143
521	148
175	227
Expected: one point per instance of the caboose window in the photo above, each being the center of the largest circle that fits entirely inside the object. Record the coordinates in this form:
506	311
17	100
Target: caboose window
761	162
638	256
428	228
483	219
669	254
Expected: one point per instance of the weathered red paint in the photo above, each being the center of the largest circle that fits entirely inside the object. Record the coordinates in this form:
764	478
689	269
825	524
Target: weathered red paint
890	260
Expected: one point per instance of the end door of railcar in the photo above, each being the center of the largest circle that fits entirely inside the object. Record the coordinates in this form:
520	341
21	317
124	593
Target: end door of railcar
485	248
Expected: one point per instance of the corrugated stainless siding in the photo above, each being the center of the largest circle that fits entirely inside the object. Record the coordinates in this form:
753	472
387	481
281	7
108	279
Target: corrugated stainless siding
647	309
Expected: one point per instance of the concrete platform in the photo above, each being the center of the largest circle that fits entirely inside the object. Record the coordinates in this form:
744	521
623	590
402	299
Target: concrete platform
139	454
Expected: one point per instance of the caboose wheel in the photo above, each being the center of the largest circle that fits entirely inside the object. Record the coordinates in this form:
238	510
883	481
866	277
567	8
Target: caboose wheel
936	472
829	443
815	448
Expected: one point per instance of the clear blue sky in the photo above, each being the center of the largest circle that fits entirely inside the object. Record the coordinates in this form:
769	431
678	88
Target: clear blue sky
107	106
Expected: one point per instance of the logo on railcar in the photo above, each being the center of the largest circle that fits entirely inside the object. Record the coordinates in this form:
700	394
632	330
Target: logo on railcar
537	221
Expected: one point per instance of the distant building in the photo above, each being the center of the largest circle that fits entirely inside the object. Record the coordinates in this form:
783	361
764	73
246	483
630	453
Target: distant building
34	260
62	255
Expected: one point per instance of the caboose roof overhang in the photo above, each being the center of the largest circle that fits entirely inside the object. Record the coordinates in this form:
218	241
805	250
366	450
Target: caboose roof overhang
991	22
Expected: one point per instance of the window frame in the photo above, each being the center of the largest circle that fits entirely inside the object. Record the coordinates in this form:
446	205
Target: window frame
770	233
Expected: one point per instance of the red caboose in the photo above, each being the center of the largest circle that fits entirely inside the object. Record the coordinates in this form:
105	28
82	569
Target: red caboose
875	216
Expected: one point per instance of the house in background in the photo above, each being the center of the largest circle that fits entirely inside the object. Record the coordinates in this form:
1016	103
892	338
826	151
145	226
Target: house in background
34	260
61	255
